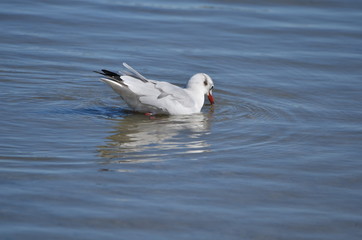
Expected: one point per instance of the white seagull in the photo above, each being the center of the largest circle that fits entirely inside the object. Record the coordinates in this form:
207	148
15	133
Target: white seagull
157	97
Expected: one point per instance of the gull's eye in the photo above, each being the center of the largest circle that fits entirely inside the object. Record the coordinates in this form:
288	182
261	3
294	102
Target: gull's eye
212	87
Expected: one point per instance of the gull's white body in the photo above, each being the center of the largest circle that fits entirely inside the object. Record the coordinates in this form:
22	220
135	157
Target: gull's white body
157	97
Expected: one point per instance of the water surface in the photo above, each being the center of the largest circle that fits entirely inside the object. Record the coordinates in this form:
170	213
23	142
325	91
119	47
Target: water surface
277	157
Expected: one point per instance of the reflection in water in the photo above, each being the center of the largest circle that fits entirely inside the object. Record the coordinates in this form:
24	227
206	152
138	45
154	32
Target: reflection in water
137	139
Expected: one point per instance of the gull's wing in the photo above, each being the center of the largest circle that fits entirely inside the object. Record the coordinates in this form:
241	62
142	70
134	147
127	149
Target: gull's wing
172	92
134	73
158	93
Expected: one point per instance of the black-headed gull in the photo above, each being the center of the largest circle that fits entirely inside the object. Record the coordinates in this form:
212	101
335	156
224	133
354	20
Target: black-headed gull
156	97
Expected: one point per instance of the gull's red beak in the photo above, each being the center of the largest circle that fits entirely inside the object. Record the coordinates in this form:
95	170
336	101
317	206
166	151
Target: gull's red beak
211	98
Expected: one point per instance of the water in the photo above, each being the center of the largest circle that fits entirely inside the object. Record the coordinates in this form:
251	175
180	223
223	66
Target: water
277	157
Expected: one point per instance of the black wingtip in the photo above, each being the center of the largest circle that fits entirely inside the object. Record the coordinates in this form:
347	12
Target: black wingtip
111	75
107	73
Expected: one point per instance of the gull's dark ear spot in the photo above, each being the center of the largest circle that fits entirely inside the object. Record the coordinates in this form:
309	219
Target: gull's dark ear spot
205	82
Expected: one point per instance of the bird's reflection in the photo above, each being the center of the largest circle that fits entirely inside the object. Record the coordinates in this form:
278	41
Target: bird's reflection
138	139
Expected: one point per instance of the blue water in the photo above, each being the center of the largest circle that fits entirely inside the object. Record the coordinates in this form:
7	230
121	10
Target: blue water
277	157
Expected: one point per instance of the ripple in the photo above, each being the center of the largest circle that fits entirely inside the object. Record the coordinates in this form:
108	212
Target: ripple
102	112
257	118
250	105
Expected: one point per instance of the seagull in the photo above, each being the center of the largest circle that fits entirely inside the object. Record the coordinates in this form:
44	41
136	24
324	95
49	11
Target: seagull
157	97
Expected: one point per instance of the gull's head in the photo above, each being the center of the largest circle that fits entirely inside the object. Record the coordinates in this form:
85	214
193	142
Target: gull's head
202	82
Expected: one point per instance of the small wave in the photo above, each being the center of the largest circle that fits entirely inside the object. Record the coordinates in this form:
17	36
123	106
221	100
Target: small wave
250	106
